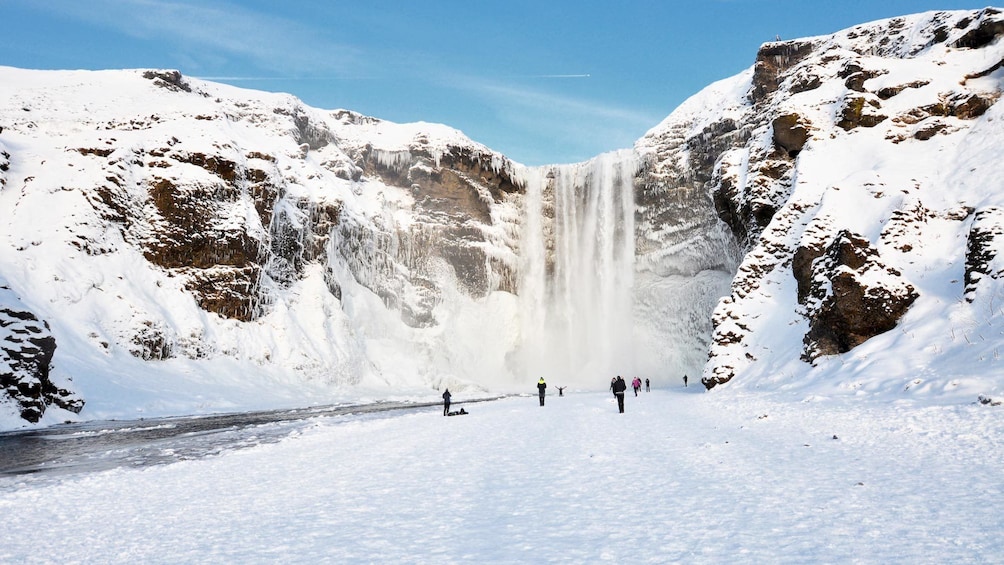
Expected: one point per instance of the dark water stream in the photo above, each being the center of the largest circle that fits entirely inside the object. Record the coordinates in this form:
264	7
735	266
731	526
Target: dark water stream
102	445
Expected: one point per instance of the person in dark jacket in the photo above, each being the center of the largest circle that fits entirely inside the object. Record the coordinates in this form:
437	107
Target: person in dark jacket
541	387
446	402
619	388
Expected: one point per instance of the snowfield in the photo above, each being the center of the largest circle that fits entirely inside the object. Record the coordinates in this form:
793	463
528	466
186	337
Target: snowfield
682	476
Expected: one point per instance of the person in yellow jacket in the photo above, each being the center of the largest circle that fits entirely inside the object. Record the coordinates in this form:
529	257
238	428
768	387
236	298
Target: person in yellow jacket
541	387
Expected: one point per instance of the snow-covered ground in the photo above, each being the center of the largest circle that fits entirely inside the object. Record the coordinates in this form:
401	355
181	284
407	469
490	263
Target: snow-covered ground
682	476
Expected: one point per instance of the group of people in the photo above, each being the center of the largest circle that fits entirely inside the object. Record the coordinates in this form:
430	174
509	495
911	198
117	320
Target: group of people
617	385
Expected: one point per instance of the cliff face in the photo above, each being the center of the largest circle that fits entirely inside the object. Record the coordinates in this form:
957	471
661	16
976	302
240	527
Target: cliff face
175	220
850	167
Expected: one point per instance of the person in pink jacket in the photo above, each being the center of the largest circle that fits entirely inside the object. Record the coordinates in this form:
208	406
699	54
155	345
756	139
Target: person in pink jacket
636	385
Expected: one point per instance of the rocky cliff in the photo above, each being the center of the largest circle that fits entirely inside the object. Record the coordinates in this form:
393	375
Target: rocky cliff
860	171
176	220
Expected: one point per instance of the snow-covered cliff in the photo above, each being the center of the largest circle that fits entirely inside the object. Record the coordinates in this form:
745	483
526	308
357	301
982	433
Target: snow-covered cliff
198	247
863	173
182	236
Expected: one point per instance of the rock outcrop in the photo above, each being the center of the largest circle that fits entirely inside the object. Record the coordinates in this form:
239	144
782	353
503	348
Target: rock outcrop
848	294
26	350
984	247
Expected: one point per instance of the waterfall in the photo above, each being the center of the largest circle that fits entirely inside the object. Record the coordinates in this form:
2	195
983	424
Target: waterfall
578	271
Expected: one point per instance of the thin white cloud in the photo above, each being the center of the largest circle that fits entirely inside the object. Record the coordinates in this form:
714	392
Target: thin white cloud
217	27
573	128
539	102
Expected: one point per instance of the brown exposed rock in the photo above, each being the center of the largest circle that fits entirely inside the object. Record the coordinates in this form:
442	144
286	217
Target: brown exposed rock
715	380
989	70
916	115
855	75
230	292
223	168
449	192
963	107
801	268
929	131
188	235
856	112
771	61
804	83
306	131
480	168
890	91
790	133
973	106
98	151
221	262
843	308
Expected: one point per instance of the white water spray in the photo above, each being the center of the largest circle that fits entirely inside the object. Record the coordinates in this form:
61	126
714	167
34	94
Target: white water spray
578	271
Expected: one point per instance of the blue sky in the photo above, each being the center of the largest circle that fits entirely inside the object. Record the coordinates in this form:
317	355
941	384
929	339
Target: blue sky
541	81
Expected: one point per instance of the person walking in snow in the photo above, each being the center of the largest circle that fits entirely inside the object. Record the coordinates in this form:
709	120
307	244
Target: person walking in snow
684	380
619	387
636	385
612	381
648	386
541	387
446	402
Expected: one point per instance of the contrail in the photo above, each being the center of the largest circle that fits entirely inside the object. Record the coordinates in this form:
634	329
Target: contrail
560	76
240	78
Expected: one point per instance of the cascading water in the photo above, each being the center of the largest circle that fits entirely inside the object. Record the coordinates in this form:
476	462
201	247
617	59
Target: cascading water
578	271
